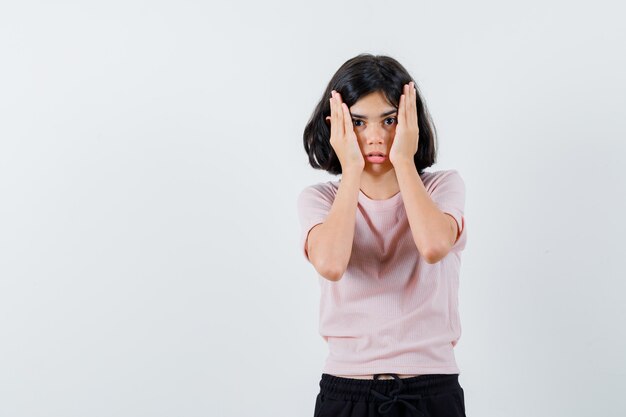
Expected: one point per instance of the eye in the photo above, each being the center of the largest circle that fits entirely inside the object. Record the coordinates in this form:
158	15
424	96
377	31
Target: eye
393	119
357	121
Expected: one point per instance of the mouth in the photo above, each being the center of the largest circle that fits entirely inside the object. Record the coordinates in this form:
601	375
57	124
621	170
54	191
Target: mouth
376	157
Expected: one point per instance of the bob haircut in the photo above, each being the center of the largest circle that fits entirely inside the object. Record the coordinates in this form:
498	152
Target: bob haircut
358	77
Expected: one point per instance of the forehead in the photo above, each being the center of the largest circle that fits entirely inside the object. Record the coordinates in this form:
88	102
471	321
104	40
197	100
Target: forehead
372	104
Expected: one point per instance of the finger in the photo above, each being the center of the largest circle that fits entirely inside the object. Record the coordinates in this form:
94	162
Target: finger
347	118
334	118
413	106
341	130
401	110
407	104
332	124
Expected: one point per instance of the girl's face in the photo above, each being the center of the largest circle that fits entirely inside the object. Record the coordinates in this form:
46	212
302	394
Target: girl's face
374	121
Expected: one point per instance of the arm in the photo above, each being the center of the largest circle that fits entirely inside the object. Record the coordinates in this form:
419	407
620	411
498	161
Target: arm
434	232
329	244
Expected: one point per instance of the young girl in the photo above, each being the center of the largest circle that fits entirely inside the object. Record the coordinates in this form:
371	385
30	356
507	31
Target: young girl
386	241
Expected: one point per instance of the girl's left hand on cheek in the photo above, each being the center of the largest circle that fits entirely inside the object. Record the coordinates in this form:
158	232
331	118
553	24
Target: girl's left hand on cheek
405	141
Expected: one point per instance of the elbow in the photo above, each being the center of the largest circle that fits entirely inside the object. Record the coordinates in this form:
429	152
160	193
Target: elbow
331	274
327	269
435	254
430	259
430	251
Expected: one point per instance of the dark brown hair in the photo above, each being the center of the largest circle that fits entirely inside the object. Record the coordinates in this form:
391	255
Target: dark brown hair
358	77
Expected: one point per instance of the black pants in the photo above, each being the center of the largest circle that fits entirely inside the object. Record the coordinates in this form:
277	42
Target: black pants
435	395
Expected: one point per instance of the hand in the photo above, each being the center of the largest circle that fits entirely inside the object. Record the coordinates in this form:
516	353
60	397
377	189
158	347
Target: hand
405	141
342	136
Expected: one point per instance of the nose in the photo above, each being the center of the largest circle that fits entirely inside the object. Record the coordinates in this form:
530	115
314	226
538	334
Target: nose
375	134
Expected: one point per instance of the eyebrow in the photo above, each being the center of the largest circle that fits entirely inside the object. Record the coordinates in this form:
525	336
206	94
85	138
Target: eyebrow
387	113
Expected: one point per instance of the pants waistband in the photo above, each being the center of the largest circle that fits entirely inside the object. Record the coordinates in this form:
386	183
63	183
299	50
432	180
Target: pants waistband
340	388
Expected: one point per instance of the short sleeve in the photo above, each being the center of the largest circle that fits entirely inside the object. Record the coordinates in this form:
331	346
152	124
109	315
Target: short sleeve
448	193
314	203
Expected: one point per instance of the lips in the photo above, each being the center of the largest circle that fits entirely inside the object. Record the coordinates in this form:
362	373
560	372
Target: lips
375	154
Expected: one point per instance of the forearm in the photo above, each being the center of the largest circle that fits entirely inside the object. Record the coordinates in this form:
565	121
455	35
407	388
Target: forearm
429	225
336	235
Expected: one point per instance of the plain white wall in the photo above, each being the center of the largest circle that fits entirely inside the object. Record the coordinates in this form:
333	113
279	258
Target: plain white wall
150	159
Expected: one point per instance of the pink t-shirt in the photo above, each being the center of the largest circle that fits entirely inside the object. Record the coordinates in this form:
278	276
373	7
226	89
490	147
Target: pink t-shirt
391	311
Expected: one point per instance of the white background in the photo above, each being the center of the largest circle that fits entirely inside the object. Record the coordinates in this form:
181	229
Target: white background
150	159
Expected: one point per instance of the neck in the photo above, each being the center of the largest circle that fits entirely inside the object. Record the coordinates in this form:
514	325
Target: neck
379	185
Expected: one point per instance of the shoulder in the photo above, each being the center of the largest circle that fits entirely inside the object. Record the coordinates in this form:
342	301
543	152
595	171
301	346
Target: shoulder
325	188
324	191
437	179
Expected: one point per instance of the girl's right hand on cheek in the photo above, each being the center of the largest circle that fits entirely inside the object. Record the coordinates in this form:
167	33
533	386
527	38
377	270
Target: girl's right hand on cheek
342	136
